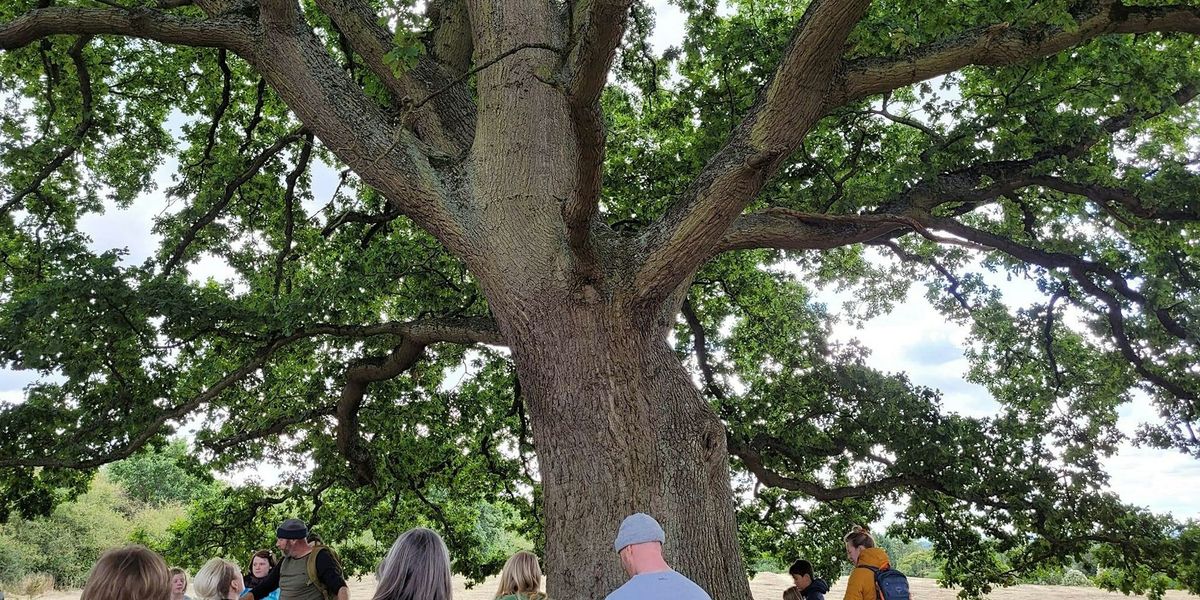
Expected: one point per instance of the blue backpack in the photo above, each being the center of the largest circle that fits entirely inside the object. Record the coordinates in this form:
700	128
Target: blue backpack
890	584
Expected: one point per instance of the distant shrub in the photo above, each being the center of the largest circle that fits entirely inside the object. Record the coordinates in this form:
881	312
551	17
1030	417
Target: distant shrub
1076	578
65	545
34	585
920	563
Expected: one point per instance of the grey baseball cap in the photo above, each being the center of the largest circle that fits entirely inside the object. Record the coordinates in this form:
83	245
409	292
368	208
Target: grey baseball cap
638	528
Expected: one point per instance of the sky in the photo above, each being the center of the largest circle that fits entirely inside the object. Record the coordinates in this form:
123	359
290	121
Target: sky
913	338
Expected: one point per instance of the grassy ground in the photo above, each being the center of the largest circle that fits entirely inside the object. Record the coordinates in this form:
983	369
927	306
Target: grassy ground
770	586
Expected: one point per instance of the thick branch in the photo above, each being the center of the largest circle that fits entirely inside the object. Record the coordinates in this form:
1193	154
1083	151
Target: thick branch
369	370
386	156
789	229
787	108
349	442
227	31
1002	45
599	25
448	123
451	43
795	230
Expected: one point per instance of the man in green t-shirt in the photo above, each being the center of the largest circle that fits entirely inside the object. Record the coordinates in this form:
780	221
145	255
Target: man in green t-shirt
308	571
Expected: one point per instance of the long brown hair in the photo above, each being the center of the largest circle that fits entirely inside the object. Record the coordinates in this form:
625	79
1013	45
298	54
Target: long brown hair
129	572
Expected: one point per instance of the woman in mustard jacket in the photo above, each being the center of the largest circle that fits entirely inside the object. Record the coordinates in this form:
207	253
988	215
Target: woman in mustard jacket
861	551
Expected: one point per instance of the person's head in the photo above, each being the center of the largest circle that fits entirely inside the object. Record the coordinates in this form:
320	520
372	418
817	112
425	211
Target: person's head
291	537
218	579
261	563
179	582
801	572
417	567
792	593
856	541
639	543
129	572
521	575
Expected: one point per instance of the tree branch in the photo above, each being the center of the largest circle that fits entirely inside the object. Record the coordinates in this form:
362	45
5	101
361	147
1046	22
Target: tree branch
787	108
373	369
289	208
428	331
189	236
230	31
598	27
274	428
1081	271
1002	45
81	130
386	156
452	43
789	229
447	124
753	460
1107	197
358	376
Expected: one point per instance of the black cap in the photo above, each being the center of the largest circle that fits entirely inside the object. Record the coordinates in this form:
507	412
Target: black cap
292	529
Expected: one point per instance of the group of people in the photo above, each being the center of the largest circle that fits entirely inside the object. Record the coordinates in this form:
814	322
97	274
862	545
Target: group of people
417	567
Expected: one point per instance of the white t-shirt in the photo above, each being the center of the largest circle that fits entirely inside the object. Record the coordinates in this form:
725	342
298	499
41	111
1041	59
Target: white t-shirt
662	585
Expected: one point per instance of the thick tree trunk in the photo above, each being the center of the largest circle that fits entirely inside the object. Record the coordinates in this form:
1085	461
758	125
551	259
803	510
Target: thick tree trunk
619	429
618	425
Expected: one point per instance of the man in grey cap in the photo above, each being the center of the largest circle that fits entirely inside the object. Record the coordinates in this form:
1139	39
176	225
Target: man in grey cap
308	571
639	542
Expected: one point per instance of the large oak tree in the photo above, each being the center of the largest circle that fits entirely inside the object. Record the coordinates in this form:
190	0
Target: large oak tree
619	248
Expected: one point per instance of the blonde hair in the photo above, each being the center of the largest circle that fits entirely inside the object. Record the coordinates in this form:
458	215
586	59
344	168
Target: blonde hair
859	537
792	593
129	572
213	580
521	575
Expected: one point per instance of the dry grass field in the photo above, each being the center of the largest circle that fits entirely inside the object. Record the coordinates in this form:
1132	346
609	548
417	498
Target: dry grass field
770	586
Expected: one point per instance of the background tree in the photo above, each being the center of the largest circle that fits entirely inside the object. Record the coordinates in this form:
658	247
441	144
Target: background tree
161	477
1052	142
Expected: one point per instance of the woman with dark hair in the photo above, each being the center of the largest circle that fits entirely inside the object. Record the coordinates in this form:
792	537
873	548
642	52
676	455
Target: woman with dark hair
261	563
416	568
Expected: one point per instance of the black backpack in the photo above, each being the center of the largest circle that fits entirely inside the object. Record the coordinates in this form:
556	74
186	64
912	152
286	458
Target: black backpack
890	584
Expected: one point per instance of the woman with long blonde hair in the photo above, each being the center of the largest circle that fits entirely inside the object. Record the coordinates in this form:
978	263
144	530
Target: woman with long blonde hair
218	579
521	578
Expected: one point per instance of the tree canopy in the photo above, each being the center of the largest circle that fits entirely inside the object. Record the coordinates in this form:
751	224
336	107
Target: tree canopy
784	146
